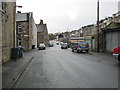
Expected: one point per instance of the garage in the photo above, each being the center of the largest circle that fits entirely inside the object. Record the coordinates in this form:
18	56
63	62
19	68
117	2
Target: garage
112	39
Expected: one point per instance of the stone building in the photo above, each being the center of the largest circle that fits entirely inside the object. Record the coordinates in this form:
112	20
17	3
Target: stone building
26	31
89	32
42	33
34	33
109	34
8	29
75	33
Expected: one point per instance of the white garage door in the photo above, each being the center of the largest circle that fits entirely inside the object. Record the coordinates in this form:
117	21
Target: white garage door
112	40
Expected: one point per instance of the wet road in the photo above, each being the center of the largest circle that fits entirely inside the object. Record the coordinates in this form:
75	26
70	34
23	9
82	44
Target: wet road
57	68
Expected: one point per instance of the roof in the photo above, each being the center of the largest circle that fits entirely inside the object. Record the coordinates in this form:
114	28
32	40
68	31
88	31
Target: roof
23	16
111	29
113	26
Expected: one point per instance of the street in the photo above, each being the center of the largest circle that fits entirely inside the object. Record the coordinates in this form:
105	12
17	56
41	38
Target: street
60	44
61	68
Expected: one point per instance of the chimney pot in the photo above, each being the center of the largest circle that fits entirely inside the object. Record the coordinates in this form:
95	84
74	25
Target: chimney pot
41	21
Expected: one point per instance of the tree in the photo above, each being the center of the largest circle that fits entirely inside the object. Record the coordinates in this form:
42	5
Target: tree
52	36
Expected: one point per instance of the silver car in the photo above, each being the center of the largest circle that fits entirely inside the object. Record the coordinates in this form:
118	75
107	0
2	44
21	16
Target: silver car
64	46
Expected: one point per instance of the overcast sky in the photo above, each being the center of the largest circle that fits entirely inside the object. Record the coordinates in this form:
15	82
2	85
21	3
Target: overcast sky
67	15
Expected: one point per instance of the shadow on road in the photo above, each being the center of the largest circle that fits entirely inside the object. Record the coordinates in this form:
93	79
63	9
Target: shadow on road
118	64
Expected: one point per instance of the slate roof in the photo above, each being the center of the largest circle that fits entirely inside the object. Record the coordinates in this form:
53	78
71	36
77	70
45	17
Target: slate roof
110	28
23	16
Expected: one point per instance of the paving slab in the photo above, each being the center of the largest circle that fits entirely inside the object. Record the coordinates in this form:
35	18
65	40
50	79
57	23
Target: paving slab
11	70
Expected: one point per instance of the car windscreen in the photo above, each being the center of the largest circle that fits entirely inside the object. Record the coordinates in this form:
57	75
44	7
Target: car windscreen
64	44
42	45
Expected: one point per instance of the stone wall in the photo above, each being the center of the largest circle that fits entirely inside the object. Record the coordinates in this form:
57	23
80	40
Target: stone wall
46	37
42	33
28	30
8	29
0	37
34	42
40	38
25	31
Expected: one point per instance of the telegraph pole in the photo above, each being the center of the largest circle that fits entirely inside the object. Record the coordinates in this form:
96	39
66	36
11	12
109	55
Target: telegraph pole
1	11
98	26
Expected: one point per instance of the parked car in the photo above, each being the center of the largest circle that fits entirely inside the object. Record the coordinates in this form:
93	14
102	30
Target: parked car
61	43
68	45
64	46
80	47
116	52
42	46
50	45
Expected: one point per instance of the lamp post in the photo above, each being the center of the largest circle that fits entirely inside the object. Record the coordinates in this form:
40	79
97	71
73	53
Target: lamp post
98	26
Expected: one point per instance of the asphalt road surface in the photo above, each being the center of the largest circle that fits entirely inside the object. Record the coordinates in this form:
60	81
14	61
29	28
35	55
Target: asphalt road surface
59	68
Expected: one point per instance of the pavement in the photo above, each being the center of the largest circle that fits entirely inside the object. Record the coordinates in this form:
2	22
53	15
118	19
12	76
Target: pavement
13	69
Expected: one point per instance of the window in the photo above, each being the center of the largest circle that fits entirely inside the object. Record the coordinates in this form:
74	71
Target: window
19	29
19	42
3	4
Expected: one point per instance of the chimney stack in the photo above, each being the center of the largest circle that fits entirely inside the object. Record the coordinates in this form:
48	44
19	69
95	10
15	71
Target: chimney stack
41	21
18	11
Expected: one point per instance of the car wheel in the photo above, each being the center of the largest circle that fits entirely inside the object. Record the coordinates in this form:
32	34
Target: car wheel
77	51
81	51
119	57
87	51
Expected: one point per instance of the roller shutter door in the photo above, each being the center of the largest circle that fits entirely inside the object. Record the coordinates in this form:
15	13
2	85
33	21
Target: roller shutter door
112	40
